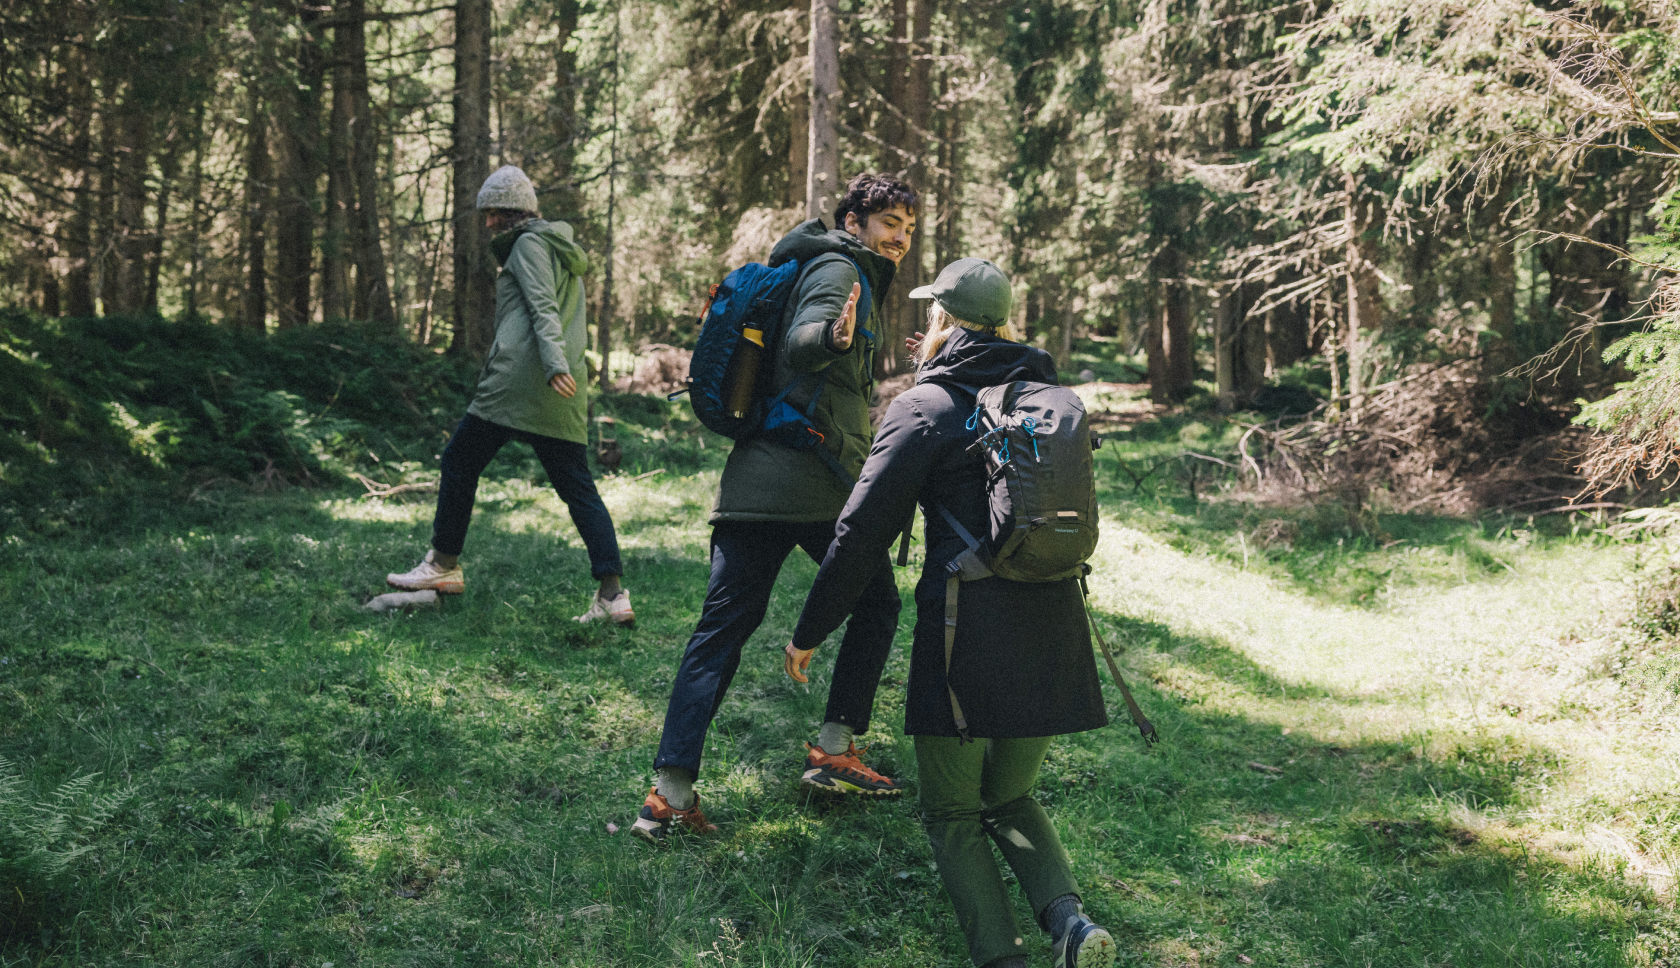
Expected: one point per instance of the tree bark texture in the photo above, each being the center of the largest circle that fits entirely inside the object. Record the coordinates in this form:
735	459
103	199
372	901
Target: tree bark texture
567	202
947	228
475	272
341	196
133	240
891	128
799	146
917	105
254	314
78	241
822	181
298	118
604	324
373	289
1364	297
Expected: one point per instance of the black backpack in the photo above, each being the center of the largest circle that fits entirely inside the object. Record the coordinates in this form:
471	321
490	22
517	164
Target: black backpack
1043	516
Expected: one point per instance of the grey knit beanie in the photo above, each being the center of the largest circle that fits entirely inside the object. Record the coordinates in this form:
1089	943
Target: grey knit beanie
507	187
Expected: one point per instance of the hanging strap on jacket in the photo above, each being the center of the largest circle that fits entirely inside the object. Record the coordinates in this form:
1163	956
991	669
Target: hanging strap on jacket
1150	737
953	586
904	541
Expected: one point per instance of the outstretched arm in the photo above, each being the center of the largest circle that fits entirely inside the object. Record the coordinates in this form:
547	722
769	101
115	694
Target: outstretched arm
899	463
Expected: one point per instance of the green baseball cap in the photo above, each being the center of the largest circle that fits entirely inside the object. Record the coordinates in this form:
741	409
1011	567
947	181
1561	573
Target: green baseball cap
973	290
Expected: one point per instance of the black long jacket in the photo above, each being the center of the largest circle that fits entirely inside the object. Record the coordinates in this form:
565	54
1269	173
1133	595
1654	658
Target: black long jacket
1022	664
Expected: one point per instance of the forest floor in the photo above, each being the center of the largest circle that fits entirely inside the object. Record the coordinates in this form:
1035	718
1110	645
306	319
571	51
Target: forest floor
1447	745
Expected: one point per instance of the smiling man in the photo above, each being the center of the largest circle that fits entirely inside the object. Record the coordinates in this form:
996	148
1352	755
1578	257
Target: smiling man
773	499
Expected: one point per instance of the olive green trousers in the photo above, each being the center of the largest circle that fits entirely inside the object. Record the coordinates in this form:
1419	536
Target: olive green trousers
977	792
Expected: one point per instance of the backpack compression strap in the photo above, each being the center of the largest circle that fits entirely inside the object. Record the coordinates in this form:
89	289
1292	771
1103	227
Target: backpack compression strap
1150	737
968	566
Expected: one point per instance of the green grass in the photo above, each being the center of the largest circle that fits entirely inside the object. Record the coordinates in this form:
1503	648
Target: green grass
1438	752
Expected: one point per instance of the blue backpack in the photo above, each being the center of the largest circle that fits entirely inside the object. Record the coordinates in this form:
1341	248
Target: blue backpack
748	307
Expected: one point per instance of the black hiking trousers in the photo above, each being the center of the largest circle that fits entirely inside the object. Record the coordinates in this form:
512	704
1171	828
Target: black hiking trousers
746	558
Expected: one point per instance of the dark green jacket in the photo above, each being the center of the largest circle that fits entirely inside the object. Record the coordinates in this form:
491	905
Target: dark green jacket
768	482
540	333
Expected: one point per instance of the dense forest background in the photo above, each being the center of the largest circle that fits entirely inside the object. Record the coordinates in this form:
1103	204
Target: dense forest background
1391	205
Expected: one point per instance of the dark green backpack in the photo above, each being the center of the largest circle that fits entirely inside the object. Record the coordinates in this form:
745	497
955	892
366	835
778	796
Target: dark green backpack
1042	494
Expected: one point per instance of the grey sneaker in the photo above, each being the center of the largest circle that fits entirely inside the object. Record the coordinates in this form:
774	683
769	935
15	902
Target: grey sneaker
617	611
427	574
1084	944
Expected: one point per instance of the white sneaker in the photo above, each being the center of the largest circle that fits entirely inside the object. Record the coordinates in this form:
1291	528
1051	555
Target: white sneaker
428	575
618	611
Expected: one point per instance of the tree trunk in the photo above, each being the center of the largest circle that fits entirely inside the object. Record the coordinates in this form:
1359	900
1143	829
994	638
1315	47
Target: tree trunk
1251	344
168	169
1364	298
568	201
822	181
257	181
604	325
917	105
475	272
103	237
1502	308
78	241
299	122
373	290
195	227
947	229
128	291
341	196
799	147
1180	363
1225	357
1155	354
892	128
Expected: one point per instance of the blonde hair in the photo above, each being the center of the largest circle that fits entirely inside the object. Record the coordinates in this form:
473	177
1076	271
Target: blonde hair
940	325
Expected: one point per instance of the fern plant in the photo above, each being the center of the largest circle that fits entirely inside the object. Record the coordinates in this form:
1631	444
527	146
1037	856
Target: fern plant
40	837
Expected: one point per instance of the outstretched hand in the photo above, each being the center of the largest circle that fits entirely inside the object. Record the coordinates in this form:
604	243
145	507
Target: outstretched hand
847	323
914	343
795	662
563	384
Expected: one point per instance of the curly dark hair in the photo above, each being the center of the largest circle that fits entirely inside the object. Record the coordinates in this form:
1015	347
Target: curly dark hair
869	193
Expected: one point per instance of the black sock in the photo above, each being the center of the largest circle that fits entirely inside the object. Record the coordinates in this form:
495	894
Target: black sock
1055	915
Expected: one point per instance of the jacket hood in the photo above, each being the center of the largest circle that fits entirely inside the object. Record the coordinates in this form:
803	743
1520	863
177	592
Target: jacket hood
556	235
811	239
977	360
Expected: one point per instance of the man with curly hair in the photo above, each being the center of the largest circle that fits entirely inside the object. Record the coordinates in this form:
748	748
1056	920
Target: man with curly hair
773	499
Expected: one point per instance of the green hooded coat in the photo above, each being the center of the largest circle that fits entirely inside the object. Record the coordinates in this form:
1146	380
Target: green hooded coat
768	482
540	333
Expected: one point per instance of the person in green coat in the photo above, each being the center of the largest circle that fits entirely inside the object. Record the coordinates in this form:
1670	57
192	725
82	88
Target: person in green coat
773	499
527	391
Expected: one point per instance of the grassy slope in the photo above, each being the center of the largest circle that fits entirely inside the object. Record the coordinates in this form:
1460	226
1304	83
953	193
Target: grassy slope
1400	756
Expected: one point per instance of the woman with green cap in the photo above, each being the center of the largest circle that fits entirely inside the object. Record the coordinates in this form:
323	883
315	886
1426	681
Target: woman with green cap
1022	661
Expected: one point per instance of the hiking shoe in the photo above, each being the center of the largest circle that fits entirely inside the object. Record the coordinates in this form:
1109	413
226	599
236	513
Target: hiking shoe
617	611
658	817
1084	944
445	581
845	773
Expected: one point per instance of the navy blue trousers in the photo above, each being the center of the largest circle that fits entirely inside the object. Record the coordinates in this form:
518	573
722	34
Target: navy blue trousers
470	451
746	558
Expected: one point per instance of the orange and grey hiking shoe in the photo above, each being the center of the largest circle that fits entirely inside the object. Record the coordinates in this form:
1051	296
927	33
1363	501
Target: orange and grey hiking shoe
658	817
845	773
